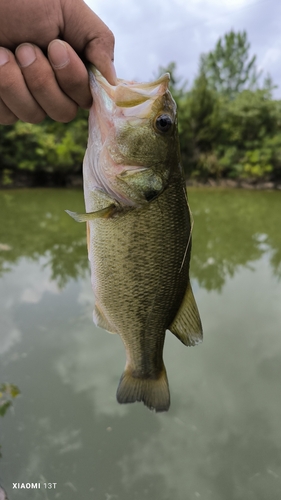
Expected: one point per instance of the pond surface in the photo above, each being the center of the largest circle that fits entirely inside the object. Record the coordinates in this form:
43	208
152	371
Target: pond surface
221	439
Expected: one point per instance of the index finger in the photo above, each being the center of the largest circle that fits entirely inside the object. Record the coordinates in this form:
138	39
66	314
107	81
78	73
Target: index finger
98	52
90	37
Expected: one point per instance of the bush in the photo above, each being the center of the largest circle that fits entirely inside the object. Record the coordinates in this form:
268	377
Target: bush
53	149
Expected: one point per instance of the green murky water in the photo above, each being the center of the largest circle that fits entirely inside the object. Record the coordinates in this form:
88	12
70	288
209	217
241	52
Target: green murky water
221	439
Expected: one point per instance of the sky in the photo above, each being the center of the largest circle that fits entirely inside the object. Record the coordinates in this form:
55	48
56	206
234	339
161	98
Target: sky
153	33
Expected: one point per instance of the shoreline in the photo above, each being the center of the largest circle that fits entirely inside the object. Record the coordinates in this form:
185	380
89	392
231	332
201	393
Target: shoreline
23	181
236	184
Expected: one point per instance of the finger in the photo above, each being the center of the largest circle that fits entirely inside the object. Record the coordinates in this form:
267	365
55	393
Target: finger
42	84
89	36
15	94
71	73
98	51
6	116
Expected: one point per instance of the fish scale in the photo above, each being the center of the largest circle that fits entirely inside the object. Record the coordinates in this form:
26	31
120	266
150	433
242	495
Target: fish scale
136	266
139	248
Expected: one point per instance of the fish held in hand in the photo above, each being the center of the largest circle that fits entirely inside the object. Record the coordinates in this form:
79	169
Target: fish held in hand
138	230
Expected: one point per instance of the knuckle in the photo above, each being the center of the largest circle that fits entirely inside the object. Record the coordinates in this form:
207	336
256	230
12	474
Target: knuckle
38	83
110	37
108	40
31	113
8	84
71	86
68	115
78	93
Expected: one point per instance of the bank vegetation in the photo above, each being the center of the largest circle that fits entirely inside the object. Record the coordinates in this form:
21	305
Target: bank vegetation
229	128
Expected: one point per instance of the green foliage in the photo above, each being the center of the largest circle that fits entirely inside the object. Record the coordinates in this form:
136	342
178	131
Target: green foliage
50	148
228	67
229	233
250	117
43	229
238	139
199	126
248	145
222	136
229	127
7	393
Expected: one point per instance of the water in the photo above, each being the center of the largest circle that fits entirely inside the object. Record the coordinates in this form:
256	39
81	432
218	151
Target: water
221	438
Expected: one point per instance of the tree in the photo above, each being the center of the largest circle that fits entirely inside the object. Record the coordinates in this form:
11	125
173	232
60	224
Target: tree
199	126
49	150
228	68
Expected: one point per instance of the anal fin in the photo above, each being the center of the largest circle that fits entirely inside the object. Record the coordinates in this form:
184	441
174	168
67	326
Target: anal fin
100	320
187	323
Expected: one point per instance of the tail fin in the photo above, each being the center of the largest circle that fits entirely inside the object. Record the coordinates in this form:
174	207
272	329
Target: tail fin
154	392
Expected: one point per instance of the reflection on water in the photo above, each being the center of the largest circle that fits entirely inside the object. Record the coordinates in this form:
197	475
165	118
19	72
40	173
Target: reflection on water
7	393
233	229
33	224
221	438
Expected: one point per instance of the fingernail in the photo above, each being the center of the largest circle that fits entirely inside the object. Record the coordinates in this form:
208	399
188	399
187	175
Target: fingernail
25	55
4	56
58	54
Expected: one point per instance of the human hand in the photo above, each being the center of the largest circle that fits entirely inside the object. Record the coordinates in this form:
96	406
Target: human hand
41	74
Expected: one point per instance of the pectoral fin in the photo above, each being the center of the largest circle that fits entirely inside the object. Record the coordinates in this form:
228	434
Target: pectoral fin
104	213
187	324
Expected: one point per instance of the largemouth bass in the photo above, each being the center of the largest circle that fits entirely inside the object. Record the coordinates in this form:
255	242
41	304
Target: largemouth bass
138	230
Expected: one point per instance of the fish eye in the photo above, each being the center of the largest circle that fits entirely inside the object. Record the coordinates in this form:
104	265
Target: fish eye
163	123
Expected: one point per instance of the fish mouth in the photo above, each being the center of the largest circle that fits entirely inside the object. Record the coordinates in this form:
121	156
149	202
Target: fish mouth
129	95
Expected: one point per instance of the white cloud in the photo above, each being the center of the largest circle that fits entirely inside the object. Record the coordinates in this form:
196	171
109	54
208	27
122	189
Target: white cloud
27	283
10	334
272	56
152	34
36	288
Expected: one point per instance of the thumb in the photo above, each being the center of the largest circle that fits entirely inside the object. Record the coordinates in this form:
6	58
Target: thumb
89	36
